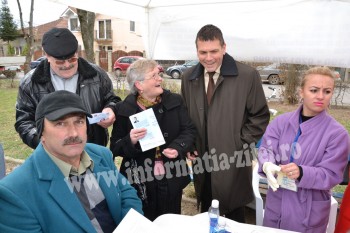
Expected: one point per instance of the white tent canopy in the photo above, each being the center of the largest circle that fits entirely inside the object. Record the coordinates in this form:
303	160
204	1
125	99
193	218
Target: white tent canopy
315	32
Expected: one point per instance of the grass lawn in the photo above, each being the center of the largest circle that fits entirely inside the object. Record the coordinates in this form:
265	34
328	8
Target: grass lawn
9	138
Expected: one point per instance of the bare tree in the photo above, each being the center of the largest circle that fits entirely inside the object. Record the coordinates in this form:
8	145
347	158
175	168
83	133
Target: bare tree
87	23
292	73
28	35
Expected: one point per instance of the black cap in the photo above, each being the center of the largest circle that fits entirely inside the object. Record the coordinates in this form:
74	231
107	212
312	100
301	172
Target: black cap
60	43
58	104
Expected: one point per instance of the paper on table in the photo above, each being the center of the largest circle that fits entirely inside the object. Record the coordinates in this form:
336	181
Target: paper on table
147	119
97	117
134	222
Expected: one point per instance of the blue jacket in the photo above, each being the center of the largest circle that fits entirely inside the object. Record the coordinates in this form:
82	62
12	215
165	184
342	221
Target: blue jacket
36	198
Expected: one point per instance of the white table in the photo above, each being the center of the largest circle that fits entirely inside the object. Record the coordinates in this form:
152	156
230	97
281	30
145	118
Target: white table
200	224
134	222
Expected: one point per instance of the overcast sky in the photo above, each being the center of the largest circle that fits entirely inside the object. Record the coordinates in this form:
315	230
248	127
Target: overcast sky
44	11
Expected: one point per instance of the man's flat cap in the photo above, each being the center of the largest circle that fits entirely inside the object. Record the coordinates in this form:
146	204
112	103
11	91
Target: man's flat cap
60	43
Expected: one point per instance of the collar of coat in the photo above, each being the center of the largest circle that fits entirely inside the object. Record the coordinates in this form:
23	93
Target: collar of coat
42	72
129	106
228	68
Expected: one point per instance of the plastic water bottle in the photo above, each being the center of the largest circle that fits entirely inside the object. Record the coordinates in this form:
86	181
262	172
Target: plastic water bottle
214	214
221	226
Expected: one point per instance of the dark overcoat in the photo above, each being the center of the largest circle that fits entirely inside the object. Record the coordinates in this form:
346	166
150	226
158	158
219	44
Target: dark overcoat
235	120
178	132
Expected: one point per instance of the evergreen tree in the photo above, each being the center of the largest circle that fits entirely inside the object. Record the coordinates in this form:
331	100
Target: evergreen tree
8	28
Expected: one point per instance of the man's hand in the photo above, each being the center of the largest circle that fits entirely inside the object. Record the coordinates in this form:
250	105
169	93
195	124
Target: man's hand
270	170
110	120
192	155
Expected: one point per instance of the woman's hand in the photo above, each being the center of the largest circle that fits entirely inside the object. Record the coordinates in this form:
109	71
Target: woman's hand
137	134
291	169
170	153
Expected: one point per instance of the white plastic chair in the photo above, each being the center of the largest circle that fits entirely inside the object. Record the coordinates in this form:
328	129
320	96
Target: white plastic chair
332	215
258	203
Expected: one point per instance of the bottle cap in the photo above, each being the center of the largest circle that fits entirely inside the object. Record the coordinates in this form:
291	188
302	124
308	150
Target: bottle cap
215	203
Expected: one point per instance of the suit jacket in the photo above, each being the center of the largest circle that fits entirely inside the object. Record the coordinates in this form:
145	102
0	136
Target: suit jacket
35	197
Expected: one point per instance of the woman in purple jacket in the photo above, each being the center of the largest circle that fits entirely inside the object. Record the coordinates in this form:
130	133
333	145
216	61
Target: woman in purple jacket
303	155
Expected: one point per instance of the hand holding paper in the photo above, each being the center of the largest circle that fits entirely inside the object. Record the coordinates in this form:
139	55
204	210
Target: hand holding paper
270	170
109	120
97	117
137	134
147	120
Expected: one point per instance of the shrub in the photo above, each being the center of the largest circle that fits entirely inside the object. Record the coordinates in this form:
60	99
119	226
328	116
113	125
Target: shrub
10	74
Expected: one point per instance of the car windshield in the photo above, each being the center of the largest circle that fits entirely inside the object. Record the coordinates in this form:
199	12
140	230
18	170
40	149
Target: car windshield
273	66
191	63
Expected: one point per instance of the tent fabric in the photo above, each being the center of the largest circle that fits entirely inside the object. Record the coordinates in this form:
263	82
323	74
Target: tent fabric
313	32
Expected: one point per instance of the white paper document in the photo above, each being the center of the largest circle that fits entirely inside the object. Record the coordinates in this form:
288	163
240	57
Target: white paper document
154	136
97	117
134	222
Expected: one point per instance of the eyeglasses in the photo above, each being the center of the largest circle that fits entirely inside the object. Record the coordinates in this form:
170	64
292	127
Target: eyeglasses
154	77
70	60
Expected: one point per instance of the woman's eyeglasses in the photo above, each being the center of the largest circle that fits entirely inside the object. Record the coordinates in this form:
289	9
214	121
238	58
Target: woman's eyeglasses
70	60
154	77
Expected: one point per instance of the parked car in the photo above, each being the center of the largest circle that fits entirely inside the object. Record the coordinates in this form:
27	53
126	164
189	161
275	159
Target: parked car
14	68
34	64
271	73
176	71
122	64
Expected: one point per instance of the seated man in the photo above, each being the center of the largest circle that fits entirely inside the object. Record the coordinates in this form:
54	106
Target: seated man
66	185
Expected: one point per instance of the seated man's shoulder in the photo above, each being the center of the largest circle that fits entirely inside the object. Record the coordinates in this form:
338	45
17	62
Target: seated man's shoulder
21	176
98	150
95	147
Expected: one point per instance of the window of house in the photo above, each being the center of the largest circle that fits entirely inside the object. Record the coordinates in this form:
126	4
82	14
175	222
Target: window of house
104	29
105	48
74	24
132	26
18	50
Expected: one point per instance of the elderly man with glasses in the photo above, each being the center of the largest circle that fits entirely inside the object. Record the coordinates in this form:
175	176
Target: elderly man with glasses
64	70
